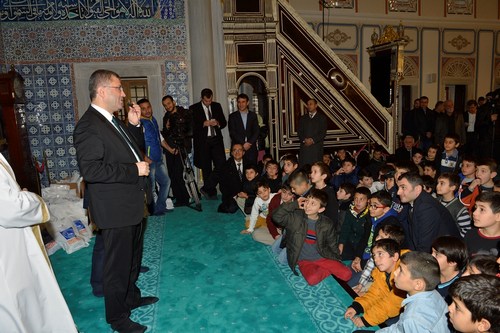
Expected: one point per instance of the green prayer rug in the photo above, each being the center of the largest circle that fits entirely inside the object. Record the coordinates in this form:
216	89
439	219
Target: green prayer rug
209	278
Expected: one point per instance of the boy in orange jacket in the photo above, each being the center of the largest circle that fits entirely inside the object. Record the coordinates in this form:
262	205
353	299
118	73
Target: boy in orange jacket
383	300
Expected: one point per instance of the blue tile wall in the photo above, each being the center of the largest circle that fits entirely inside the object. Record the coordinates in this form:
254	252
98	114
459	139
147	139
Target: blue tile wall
43	53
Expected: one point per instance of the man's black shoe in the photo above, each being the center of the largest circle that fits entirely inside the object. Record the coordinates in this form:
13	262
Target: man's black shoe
207	195
143	301
129	326
144	269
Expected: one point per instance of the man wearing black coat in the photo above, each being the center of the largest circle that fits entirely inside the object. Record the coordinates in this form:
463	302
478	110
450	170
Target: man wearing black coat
112	165
427	219
230	178
208	143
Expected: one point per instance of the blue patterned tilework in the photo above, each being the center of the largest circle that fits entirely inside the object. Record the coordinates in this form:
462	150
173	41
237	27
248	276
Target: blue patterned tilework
50	116
176	78
39	43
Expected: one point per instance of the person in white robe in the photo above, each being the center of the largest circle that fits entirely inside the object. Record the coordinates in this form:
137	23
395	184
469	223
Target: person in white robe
30	298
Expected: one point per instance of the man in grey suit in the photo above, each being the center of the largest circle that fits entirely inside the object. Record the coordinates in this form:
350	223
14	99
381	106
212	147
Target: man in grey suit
116	175
312	132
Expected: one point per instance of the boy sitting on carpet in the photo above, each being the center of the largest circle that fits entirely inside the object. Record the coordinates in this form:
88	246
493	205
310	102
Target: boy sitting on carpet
311	238
424	309
260	208
383	300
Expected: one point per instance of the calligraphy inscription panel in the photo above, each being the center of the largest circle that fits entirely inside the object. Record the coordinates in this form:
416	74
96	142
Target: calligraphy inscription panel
47	10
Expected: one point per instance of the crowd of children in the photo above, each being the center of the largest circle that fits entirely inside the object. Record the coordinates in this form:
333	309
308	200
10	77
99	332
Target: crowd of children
413	235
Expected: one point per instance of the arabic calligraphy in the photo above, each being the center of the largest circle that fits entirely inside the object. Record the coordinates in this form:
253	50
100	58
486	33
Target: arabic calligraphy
56	10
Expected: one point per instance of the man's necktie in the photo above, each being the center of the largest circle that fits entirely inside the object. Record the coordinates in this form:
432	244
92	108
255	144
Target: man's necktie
240	173
311	115
211	130
126	138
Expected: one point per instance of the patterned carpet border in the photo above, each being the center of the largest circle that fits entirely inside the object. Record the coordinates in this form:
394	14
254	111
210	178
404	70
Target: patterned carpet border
325	303
149	282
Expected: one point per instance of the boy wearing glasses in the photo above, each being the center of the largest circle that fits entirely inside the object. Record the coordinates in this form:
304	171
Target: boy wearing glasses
381	214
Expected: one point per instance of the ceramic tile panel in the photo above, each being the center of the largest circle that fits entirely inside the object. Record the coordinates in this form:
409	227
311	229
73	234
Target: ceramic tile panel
45	51
50	116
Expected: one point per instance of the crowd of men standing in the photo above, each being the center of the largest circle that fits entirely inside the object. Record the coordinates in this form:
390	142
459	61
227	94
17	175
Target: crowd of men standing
477	127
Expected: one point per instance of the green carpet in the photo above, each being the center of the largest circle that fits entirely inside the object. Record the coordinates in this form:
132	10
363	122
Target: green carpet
209	278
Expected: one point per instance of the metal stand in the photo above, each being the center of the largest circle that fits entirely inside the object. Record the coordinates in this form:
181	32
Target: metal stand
190	179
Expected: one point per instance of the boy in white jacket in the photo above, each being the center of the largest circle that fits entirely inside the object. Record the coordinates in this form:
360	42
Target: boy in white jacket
260	208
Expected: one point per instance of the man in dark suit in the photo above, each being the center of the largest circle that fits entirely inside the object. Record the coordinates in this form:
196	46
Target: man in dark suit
112	165
427	219
244	129
230	178
311	132
208	143
424	123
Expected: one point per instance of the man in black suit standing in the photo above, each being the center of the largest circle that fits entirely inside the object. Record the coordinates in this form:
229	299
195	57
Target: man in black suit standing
311	132
427	219
208	144
112	165
244	129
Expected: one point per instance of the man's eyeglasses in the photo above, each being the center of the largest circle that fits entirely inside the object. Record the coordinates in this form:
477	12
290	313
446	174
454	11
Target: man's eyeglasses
119	87
376	207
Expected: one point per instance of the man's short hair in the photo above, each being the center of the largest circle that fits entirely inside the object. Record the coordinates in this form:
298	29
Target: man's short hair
291	158
319	195
417	151
395	232
429	182
383	197
388	245
453	179
207	93
485	264
286	187
423	97
471	102
98	78
349	159
349	188
244	96
252	167
314	100
143	100
364	173
167	97
469	158
272	162
364	191
236	144
430	164
324	169
262	183
298	177
455	137
422	265
491	198
434	146
480	295
407	165
413	178
453	248
489	162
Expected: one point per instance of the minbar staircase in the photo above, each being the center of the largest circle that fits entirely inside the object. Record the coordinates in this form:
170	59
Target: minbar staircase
298	65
